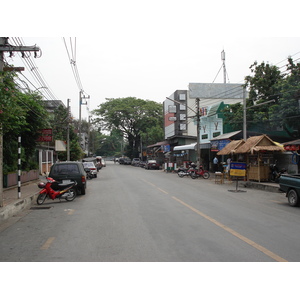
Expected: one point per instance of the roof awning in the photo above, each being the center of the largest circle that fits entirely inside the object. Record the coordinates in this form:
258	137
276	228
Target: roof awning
185	147
192	147
226	135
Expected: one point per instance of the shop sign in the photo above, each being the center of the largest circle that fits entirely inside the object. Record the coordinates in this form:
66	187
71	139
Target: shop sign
238	169
46	135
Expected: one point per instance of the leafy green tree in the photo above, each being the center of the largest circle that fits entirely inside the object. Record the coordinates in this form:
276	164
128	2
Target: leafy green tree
22	114
268	83
286	111
263	86
132	117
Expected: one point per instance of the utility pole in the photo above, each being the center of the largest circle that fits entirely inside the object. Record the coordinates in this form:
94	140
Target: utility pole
68	131
197	112
198	133
6	47
81	97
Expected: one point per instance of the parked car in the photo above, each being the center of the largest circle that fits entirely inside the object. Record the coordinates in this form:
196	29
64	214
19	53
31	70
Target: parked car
135	162
71	170
91	166
124	161
152	164
142	164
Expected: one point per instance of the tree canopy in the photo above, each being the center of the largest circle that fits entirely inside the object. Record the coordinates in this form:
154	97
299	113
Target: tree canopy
267	83
21	114
140	121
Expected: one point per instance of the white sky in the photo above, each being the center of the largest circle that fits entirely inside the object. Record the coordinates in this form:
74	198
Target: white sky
149	49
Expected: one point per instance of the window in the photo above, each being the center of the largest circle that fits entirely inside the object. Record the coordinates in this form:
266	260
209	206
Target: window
182	97
182	127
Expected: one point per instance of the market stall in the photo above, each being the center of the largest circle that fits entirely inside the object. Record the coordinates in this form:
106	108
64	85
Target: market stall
258	153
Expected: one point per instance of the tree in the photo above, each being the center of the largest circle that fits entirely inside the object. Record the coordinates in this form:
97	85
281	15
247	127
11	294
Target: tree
21	114
263	86
268	83
285	112
132	117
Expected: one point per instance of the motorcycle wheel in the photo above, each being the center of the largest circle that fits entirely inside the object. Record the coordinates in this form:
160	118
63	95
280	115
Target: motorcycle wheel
180	174
194	175
206	175
41	198
71	194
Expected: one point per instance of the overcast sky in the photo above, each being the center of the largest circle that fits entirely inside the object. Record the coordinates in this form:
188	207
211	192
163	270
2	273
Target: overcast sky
150	49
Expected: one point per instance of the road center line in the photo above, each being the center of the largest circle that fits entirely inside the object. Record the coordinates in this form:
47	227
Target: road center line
226	228
233	232
48	243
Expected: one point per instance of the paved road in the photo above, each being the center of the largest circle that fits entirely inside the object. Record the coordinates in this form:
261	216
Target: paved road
132	214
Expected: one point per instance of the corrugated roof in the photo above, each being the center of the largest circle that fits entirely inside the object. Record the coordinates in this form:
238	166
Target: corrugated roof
226	135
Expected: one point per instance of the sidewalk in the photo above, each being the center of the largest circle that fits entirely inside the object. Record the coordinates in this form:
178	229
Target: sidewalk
12	205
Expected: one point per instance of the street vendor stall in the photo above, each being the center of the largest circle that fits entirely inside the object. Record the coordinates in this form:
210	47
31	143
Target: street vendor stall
258	153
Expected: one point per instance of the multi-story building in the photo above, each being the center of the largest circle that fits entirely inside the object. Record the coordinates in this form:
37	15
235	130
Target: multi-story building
180	111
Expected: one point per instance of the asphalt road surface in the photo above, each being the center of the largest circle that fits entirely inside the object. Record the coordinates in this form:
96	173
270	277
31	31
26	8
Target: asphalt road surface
134	215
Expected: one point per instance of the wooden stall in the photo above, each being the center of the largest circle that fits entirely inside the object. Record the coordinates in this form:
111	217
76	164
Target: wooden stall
258	151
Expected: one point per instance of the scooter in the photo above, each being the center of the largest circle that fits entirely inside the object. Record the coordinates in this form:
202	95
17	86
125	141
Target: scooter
201	172
181	172
53	189
275	173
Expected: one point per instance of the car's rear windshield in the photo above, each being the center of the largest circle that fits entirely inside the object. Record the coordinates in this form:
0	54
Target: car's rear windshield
65	169
89	165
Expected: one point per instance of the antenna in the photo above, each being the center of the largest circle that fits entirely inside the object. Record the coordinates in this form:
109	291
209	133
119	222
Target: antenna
224	67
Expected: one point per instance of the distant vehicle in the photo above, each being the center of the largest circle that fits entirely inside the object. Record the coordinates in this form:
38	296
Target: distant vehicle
135	162
152	164
124	161
103	162
70	171
92	168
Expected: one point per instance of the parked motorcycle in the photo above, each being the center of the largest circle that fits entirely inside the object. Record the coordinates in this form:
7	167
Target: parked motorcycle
199	173
53	189
181	172
193	172
275	173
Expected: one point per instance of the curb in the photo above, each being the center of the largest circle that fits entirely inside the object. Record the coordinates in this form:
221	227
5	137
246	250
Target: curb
12	209
262	187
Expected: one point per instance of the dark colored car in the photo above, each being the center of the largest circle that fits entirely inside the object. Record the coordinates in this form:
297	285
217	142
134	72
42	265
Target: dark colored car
152	164
70	170
124	161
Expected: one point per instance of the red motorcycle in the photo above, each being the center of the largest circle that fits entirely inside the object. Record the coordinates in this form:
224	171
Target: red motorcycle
53	189
197	173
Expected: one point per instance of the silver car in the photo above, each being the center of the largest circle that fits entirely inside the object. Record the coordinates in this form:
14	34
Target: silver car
92	167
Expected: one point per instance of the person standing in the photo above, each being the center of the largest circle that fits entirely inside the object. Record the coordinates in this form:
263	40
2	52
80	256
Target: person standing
215	163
